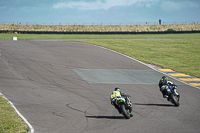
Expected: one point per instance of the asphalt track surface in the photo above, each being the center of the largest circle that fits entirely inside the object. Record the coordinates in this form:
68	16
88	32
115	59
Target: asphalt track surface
64	87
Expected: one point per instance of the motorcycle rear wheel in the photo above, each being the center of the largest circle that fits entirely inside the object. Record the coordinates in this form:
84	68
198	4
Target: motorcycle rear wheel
124	111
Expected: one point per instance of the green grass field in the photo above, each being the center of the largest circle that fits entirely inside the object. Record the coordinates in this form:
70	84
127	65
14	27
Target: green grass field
86	36
179	52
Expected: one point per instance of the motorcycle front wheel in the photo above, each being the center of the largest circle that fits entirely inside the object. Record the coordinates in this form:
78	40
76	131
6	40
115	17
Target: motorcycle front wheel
124	111
174	99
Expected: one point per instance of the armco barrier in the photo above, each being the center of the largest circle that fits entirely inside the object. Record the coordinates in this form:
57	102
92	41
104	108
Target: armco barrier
87	32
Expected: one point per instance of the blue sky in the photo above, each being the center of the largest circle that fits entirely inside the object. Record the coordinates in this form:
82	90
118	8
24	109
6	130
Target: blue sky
99	11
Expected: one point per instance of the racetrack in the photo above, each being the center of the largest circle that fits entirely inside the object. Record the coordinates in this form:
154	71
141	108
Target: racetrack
64	87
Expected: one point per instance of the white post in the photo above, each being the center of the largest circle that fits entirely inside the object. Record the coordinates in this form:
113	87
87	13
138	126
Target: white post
14	38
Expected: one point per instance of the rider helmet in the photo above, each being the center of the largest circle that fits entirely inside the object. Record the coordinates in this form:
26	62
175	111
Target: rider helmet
164	78
117	89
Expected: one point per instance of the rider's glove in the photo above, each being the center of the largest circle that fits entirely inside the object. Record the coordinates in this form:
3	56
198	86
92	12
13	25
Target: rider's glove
170	83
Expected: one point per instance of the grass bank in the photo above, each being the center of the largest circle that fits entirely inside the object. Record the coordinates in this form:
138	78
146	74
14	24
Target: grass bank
101	28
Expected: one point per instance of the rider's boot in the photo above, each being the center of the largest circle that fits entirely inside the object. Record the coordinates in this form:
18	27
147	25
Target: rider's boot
165	96
131	114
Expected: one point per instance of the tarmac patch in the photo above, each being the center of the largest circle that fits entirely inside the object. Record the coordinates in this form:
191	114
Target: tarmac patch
119	76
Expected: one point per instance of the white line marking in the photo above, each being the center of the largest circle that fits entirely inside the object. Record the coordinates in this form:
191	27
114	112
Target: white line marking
31	130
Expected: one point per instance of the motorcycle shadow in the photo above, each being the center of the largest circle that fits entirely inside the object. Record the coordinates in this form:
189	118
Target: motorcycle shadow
106	117
163	105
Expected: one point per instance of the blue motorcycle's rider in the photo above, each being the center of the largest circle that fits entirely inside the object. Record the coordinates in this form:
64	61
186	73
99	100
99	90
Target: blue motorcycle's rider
114	95
164	83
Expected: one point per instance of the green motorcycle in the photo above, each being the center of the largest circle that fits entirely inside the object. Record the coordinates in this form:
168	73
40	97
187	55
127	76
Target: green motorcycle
124	106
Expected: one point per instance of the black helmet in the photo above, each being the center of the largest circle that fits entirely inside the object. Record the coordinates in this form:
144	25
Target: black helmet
117	89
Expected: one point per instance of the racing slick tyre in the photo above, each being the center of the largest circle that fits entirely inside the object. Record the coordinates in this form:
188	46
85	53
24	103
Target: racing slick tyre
124	111
174	100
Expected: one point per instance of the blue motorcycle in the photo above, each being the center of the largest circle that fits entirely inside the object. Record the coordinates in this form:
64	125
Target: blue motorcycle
173	95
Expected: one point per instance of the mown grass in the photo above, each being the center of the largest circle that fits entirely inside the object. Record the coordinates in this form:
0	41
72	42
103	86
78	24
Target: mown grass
66	36
4	36
10	122
82	36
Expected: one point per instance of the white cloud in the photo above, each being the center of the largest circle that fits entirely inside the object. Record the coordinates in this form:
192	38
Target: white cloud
98	4
176	6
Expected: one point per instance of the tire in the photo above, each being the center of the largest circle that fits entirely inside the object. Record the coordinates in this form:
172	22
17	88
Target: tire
124	111
174	100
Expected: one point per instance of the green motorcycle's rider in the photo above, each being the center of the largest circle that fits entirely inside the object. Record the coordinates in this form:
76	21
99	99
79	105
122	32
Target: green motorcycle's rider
164	83
114	95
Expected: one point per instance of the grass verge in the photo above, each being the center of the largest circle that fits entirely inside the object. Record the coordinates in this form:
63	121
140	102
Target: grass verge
4	36
10	122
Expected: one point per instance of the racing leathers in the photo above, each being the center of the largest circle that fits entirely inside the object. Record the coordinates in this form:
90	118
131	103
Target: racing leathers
114	95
